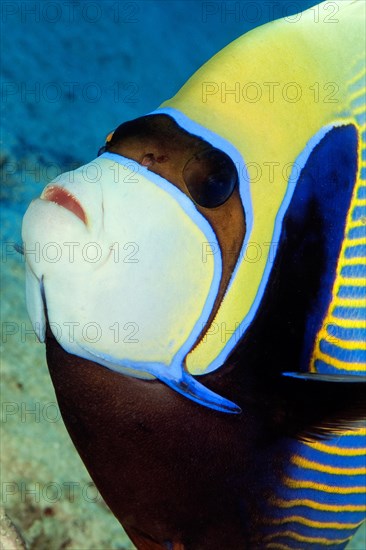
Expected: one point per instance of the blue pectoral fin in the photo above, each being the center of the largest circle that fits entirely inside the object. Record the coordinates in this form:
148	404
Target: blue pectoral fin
177	379
192	389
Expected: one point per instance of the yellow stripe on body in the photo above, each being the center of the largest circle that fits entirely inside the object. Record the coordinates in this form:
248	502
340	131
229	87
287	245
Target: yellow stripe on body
347	323
302	538
317	524
351	302
302	462
352	261
314	505
360	240
337	363
360	431
346	344
305	484
334	450
351	281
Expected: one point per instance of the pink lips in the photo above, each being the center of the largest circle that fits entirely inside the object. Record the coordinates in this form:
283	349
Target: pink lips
64	198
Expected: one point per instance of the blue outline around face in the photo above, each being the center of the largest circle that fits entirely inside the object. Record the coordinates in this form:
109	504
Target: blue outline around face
175	374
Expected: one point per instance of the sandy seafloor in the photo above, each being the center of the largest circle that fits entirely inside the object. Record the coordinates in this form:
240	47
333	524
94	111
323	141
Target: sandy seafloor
72	71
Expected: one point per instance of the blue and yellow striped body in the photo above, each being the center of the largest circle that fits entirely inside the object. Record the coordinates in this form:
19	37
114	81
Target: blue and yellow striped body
321	500
340	345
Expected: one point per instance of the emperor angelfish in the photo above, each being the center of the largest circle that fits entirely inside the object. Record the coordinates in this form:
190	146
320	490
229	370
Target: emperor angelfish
218	245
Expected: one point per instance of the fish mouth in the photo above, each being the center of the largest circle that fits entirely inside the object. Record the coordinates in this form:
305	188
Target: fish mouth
64	198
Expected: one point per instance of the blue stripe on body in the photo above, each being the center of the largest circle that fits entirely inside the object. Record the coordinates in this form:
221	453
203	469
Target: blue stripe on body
349	355
327	478
325	498
357	251
349	291
319	515
354	271
317	500
358	213
350	312
350	334
361	193
326	368
357	232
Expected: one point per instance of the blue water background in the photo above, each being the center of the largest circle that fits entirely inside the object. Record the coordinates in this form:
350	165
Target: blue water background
74	70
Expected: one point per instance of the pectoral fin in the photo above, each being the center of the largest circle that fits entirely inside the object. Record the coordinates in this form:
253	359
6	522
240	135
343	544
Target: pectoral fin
192	389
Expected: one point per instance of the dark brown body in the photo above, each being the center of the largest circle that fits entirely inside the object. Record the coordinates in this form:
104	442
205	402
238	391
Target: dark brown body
169	469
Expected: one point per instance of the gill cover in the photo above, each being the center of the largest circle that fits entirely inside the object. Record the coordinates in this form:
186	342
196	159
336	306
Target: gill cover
268	99
127	288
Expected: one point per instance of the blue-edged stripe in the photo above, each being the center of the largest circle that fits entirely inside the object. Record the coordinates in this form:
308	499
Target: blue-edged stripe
349	355
357	251
354	271
353	292
348	334
350	312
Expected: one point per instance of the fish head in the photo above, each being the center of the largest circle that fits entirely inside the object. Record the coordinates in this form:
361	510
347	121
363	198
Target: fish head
124	264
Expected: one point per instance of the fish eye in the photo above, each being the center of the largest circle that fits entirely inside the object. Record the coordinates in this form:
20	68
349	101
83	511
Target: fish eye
210	177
